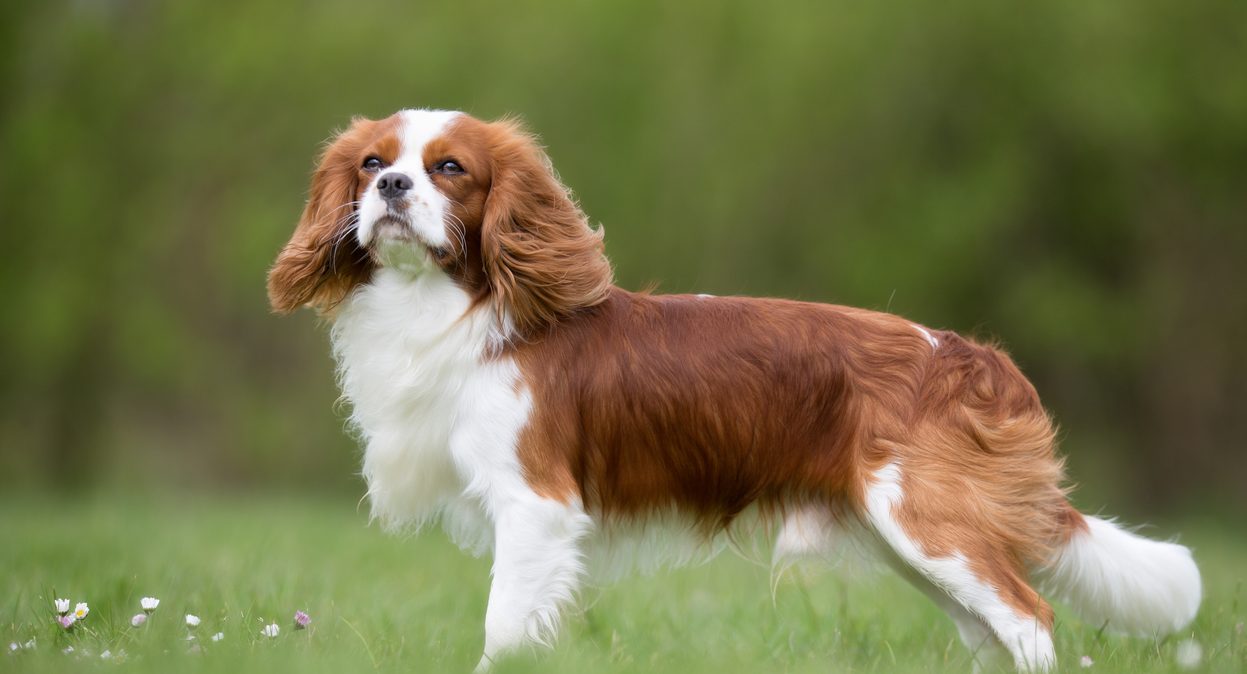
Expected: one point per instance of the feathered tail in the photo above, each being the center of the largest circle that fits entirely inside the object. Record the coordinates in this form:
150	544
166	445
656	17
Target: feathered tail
1132	584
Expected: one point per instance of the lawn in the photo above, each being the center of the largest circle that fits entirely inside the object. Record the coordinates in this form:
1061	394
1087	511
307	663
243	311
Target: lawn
416	604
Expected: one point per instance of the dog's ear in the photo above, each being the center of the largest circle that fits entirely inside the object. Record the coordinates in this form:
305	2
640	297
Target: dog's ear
323	262
542	259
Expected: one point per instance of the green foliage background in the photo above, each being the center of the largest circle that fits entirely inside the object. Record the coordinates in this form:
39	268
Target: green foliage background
1068	177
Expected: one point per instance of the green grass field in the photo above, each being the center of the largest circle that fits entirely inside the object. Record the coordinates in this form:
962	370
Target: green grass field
416	604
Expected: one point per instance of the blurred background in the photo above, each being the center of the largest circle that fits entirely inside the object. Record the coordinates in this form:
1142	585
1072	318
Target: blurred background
1067	177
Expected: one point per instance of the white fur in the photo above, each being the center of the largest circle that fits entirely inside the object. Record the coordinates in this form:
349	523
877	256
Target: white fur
1027	640
537	570
669	539
1133	584
426	206
440	415
935	343
660	541
409	362
806	533
813	533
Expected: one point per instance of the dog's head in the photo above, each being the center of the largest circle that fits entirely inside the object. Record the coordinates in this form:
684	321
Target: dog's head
441	192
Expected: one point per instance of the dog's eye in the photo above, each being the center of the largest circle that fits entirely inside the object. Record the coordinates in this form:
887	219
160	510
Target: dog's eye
449	167
372	164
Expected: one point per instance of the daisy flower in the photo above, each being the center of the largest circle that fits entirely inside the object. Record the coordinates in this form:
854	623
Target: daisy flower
62	606
271	630
192	620
138	620
67	621
218	636
81	610
149	604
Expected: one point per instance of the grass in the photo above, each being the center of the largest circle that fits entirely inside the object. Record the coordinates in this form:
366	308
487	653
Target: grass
382	603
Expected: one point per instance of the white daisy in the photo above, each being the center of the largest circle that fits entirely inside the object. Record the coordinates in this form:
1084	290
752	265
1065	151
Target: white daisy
192	620
81	610
149	604
271	630
62	606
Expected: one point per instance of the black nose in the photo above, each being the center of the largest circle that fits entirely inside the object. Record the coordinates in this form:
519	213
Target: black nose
393	185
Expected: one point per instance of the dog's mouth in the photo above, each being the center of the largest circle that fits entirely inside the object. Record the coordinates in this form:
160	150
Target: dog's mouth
395	243
393	227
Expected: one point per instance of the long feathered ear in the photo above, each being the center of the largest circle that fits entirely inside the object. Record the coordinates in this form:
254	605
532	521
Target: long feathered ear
542	260
323	261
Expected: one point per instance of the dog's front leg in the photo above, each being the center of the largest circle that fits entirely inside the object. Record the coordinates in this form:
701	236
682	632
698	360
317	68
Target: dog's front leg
537	568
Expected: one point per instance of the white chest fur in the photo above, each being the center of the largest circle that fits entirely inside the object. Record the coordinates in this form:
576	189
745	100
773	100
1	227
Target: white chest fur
438	415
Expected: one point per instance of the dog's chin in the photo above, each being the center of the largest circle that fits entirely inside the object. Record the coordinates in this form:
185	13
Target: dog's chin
393	227
395	244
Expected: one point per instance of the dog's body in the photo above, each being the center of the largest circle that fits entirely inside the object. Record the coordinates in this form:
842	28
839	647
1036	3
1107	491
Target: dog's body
502	383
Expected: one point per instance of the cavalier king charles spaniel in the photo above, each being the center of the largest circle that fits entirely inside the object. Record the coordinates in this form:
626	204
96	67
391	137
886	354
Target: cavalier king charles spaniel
504	386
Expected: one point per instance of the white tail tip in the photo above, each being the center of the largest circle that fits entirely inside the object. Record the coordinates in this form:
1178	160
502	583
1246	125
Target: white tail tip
1133	584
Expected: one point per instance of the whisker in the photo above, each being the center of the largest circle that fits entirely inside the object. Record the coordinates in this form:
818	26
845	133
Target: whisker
320	211
458	228
351	226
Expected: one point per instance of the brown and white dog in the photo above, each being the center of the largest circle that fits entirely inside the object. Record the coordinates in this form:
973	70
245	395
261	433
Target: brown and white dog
504	386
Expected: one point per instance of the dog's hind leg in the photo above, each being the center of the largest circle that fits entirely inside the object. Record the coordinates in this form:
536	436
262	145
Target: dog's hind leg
985	583
985	649
537	569
813	533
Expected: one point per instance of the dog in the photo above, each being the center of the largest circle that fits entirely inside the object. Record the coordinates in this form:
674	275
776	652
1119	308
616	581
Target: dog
503	385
